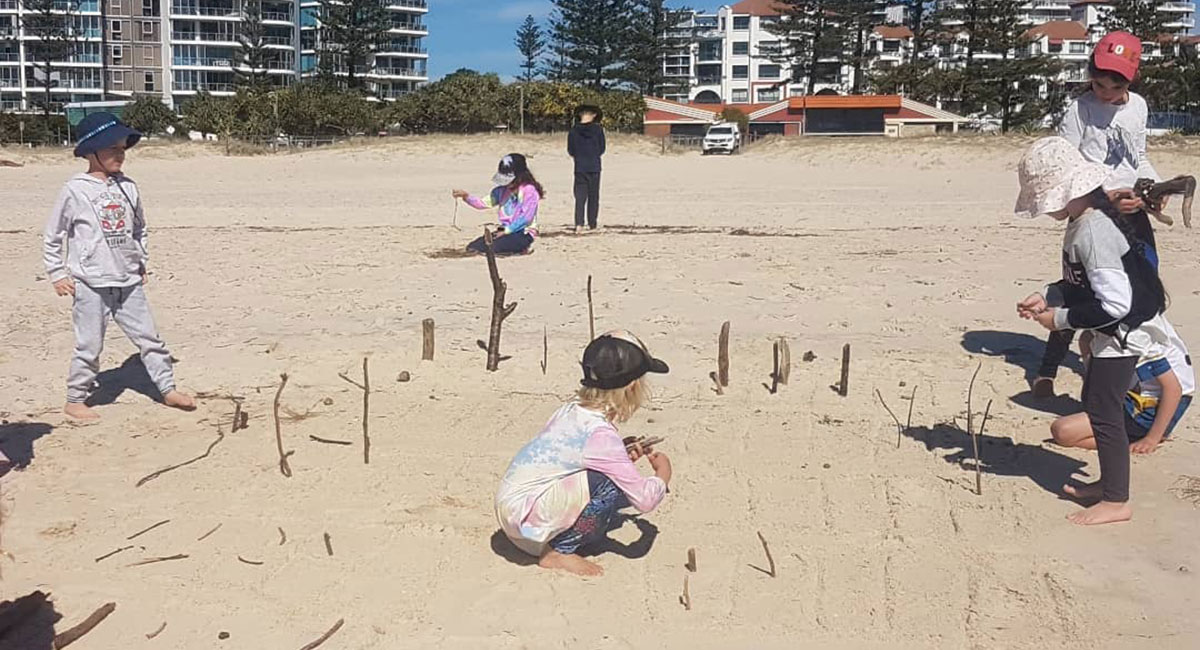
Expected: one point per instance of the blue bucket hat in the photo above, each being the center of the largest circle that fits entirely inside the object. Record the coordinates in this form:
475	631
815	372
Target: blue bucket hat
101	131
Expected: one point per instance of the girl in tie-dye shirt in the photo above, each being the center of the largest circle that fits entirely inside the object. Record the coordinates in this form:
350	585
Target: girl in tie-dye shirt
516	197
564	486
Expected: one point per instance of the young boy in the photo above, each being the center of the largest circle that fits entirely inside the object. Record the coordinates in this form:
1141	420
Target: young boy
100	213
1108	125
586	145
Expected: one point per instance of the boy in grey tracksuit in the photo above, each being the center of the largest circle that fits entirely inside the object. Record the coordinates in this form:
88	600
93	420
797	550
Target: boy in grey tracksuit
95	250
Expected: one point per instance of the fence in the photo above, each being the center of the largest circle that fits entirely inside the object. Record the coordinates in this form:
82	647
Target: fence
1185	122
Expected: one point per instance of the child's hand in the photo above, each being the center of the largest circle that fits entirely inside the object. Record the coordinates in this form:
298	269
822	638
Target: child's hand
1045	318
459	194
1125	201
1146	445
1031	306
65	287
659	460
635	451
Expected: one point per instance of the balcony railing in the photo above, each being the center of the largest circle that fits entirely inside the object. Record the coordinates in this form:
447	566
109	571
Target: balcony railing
215	61
10	56
1177	6
409	26
8	4
194	10
398	72
197	86
277	40
407	4
402	49
278	16
204	36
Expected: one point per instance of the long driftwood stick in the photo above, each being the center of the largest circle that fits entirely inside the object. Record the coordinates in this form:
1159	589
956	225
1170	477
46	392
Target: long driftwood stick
72	635
150	477
158	631
427	340
767	550
899	429
686	598
325	637
723	356
284	468
975	443
970	394
250	562
591	313
500	311
328	441
366	389
112	553
156	560
134	536
844	384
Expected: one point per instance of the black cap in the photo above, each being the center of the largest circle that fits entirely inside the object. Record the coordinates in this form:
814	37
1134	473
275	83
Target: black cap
100	131
511	167
617	359
590	108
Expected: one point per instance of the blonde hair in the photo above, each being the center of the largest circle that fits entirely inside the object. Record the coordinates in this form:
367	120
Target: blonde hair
617	404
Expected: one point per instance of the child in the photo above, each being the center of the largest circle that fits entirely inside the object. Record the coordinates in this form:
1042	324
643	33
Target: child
1165	383
1108	125
565	485
516	195
1109	287
586	145
100	212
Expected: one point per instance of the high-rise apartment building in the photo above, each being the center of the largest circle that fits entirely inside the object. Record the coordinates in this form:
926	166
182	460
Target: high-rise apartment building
177	48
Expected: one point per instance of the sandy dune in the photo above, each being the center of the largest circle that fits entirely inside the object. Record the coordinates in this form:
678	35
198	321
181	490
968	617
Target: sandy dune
306	263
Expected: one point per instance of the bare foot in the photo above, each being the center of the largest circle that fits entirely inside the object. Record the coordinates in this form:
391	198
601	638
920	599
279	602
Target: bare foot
181	401
81	411
570	563
1105	512
1088	492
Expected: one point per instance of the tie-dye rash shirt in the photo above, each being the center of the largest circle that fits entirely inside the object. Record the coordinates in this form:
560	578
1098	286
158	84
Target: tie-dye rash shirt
546	486
517	210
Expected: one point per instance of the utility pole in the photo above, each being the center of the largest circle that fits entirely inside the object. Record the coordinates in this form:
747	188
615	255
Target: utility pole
522	109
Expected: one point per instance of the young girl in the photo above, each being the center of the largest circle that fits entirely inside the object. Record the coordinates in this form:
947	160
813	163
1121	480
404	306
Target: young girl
1165	383
516	194
1109	287
1108	126
564	486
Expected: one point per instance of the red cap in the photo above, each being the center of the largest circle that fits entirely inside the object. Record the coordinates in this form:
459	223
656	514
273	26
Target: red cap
1119	52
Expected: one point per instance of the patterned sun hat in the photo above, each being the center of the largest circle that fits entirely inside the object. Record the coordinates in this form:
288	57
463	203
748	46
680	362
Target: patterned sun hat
1052	174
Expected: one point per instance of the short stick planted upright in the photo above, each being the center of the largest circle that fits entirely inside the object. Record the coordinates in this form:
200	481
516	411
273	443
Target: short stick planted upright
723	356
427	341
284	468
500	311
844	385
591	313
767	550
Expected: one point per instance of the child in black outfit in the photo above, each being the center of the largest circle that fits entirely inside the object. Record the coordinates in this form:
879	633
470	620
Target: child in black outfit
586	145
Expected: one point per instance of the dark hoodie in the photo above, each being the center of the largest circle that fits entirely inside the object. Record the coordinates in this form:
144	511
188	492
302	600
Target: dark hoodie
586	144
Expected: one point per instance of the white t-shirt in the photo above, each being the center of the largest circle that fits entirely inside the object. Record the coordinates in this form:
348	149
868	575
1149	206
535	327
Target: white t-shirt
1112	134
1167	347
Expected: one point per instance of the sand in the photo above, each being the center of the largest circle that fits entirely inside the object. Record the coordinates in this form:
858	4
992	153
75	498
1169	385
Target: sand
306	263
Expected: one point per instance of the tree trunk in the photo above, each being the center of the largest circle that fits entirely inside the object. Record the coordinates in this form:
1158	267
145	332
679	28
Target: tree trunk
858	62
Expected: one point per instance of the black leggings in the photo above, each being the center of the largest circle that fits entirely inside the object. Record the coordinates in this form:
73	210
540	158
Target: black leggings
1057	347
514	244
1104	389
587	197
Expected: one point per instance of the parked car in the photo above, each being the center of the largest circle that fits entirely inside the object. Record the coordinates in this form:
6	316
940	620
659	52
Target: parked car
726	137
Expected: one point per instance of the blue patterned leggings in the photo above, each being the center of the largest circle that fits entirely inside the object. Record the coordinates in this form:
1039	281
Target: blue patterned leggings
593	522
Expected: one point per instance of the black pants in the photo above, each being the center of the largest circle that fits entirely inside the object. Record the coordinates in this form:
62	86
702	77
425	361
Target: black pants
514	244
1104	389
587	196
1057	347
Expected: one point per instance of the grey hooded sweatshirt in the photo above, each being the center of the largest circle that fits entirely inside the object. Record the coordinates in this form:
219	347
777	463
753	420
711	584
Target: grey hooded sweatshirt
97	233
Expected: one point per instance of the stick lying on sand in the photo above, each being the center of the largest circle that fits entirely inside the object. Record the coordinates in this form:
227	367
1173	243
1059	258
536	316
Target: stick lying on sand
325	637
72	635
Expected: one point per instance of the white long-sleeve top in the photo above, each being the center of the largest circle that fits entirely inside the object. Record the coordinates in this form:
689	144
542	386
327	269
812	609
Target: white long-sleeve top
1111	134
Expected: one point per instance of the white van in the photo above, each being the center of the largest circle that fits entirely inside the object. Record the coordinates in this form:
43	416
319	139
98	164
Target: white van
724	136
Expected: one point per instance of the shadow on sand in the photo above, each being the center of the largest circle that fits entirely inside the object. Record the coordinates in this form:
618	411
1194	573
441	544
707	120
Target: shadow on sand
27	623
131	375
1025	352
16	442
636	549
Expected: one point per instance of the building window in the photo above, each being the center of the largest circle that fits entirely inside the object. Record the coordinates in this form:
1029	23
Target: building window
116	30
768	94
741	72
150	82
741	47
741	23
118	55
118	80
1054	48
147	30
114	6
891	46
768	72
149	7
740	96
148	56
1078	48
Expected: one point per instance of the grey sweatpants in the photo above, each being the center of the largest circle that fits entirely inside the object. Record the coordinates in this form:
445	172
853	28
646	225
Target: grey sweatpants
129	308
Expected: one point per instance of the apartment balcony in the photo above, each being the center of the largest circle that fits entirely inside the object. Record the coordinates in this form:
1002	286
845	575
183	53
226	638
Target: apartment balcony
9	57
204	37
192	87
414	5
405	50
202	62
708	81
277	41
8	5
215	12
277	18
408	27
1049	5
1181	24
1184	7
396	72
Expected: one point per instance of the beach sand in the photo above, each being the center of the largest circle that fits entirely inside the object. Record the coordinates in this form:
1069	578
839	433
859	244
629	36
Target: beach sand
305	263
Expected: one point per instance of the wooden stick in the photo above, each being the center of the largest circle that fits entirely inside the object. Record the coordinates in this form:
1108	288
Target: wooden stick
500	311
975	442
237	416
329	441
72	635
454	222
284	468
686	598
158	631
154	560
591	313
427	340
723	356
785	361
713	376
325	637
908	427
112	553
206	535
328	545
282	537
899	430
366	413
146	530
150	477
250	562
767	549
691	563
545	348
844	385
970	392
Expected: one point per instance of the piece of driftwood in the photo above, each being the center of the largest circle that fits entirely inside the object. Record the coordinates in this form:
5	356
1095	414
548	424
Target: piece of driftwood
844	384
686	598
329	441
156	560
150	477
970	396
325	637
112	553
647	443
899	429
427	340
328	544
767	550
282	537
250	562
500	311
209	533
134	536
545	348
716	380
158	631
9	163
240	419
911	400
723	356
591	313
975	443
284	468
691	563
454	220
75	633
782	370
365	387
1152	194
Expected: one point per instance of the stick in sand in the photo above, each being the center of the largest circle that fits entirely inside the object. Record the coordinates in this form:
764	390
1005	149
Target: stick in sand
146	530
970	393
975	442
716	380
112	553
325	637
545	348
454	222
500	311
328	545
911	400
284	468
767	549
238	422
150	477
723	356
427	340
366	389
844	385
899	429
783	365
72	635
158	631
591	312
691	563
686	598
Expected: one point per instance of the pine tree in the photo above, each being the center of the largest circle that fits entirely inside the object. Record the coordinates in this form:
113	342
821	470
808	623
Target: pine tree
531	43
252	63
1010	83
1138	17
857	19
809	32
921	17
351	31
655	33
589	36
51	26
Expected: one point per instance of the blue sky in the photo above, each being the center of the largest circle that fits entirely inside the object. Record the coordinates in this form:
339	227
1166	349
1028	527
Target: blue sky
478	34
